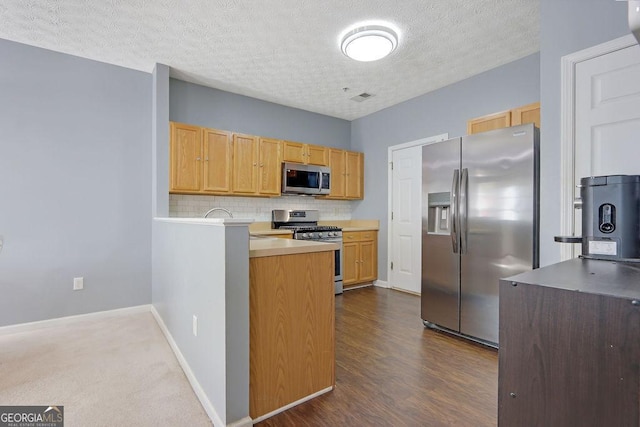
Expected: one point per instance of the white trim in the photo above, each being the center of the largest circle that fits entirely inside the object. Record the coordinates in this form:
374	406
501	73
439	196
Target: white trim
419	142
226	222
406	291
567	129
291	405
33	326
244	422
366	285
381	284
390	150
195	385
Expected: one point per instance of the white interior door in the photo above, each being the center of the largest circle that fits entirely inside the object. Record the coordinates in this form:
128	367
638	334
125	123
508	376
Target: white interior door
405	226
607	118
407	196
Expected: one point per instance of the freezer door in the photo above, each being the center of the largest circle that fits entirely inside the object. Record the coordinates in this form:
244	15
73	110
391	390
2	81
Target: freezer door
440	290
499	224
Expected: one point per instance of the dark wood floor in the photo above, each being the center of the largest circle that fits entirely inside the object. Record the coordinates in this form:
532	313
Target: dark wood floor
391	371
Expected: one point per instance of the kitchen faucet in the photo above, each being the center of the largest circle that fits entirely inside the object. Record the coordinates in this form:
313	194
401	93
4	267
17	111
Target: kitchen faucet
218	209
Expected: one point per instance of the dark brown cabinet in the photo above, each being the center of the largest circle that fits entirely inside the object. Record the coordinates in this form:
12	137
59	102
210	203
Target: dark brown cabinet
570	346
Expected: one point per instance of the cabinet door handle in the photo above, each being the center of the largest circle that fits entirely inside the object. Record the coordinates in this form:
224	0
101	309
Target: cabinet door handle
255	164
198	158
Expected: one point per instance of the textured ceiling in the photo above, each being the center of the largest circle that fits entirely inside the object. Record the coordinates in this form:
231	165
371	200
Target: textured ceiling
286	51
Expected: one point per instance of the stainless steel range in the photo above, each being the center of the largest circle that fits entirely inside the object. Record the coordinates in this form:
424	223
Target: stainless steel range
304	224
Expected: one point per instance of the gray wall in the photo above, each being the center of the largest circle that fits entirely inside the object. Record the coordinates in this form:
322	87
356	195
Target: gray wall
203	106
190	278
160	142
441	111
237	321
75	181
566	26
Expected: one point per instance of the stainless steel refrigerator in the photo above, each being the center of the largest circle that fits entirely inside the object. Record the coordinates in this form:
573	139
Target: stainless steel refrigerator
480	204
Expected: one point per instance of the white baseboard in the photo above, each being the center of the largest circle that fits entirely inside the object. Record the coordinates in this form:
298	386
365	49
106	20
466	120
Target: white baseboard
195	385
33	326
366	285
291	405
406	291
244	422
381	284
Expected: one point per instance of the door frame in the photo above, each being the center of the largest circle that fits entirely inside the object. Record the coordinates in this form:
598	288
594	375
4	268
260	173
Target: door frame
390	150
567	129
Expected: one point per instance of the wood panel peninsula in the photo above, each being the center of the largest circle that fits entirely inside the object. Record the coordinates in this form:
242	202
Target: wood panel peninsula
291	323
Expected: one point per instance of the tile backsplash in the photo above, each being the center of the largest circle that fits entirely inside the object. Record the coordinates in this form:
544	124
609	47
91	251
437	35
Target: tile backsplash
257	208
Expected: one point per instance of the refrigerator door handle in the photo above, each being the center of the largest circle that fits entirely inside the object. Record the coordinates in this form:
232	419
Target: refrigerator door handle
454	210
464	203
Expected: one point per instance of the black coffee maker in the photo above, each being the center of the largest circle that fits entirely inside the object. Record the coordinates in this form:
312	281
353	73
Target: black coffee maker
610	218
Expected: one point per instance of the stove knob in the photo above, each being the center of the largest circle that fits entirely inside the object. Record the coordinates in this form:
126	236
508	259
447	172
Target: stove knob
331	234
312	235
304	235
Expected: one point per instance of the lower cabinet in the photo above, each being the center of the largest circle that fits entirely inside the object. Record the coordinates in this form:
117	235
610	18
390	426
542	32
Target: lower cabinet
360	257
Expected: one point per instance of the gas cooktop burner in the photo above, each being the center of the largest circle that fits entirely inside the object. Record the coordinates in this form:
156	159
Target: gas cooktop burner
310	227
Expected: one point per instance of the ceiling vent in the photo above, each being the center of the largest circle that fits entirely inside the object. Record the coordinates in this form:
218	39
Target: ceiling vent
362	97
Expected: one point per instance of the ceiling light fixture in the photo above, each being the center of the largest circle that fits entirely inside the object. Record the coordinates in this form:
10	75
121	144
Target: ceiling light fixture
369	43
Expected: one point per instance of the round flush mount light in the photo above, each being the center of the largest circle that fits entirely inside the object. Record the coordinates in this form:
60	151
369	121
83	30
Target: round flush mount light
369	43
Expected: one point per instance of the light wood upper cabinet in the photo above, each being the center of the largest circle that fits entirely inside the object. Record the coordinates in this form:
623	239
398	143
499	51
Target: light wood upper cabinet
186	158
354	176
200	160
256	165
526	114
317	155
518	116
346	174
489	122
293	152
269	168
217	161
338	165
310	154
212	161
245	163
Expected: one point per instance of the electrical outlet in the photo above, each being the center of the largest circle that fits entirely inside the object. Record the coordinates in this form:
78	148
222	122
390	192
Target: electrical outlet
195	325
78	283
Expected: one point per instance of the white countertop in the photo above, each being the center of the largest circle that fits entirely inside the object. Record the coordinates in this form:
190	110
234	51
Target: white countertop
272	246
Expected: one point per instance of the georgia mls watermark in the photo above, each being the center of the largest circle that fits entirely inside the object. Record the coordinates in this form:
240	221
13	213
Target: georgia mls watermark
31	416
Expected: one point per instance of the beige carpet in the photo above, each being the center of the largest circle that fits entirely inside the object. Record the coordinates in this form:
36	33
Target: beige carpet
118	371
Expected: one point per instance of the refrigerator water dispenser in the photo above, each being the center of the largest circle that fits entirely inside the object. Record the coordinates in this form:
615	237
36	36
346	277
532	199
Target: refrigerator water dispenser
439	213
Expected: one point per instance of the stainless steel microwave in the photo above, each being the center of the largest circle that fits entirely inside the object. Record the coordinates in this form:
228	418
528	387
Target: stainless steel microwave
305	179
